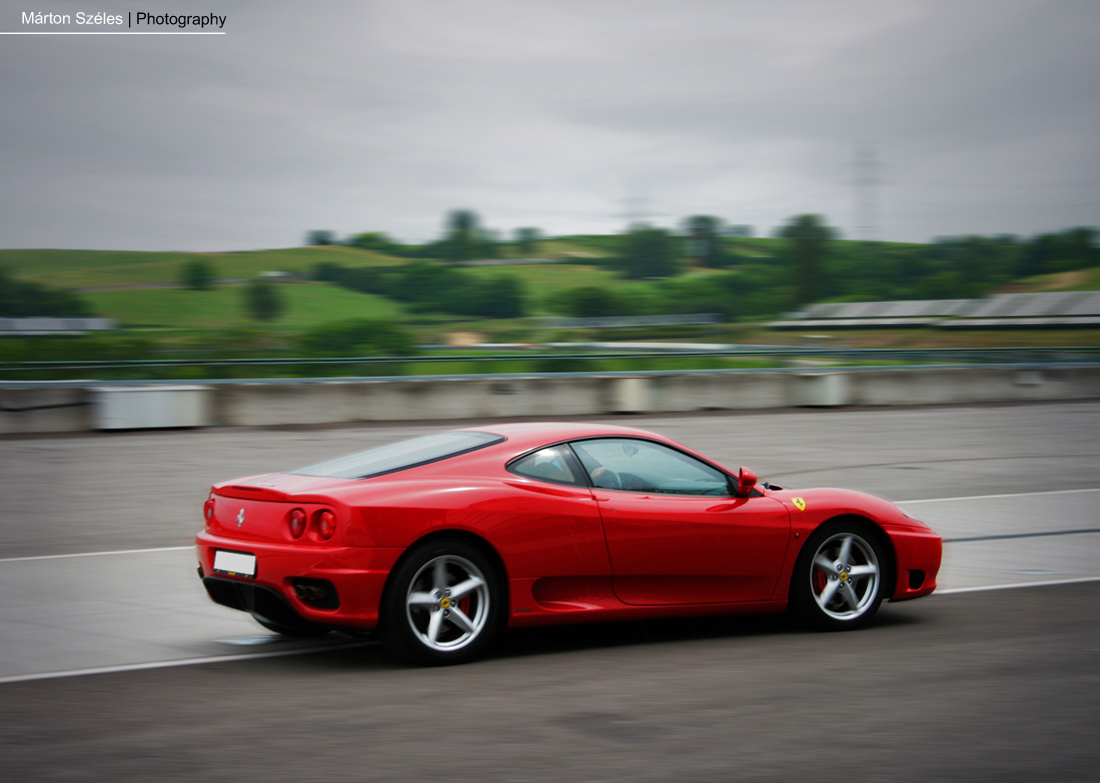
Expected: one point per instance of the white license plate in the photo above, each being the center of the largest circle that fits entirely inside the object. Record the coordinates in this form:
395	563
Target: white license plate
235	563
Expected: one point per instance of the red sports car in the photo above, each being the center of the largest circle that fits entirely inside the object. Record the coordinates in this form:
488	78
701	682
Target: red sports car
438	541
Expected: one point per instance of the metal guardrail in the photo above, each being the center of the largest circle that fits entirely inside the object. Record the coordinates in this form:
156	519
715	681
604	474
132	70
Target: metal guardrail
825	355
621	321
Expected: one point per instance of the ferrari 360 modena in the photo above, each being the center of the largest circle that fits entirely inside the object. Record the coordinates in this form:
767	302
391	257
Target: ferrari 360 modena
435	543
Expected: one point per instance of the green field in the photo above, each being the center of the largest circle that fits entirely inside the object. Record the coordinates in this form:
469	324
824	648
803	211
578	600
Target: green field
548	279
307	305
97	268
1079	280
542	283
180	311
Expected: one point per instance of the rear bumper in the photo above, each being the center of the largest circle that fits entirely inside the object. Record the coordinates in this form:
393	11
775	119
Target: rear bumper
350	581
918	555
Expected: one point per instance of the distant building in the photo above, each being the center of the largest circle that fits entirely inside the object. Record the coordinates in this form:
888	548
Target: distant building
278	277
41	327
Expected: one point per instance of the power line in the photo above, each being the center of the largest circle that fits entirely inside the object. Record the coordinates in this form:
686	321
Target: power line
865	180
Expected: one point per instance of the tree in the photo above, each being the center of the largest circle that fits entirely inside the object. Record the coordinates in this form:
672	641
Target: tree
358	337
378	242
461	239
649	252
464	239
592	302
527	240
808	239
978	263
326	271
197	275
1073	248
25	299
263	300
503	297
319	237
703	240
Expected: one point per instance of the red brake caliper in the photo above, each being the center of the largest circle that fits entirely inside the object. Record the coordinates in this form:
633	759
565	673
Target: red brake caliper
819	580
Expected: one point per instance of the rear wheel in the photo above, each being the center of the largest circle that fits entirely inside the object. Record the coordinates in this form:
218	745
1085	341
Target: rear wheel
839	581
443	604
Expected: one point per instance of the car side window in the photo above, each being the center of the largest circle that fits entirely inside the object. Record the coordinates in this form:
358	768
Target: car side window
636	465
551	464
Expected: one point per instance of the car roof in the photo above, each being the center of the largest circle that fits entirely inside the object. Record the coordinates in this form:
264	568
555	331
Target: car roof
525	435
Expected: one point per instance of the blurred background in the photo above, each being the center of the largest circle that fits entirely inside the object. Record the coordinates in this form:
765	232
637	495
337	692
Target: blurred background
396	178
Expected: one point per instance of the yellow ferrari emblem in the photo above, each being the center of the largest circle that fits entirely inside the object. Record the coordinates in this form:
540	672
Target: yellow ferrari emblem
799	503
445	603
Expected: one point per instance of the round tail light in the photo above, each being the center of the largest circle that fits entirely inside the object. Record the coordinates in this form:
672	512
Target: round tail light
297	522
326	524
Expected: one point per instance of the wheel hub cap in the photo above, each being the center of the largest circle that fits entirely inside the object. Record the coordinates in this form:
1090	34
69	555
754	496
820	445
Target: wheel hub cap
448	603
845	576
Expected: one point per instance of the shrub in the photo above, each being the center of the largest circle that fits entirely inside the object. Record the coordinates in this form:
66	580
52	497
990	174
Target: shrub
358	337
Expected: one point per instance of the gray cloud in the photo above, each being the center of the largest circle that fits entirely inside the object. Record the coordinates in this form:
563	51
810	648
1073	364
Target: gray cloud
384	115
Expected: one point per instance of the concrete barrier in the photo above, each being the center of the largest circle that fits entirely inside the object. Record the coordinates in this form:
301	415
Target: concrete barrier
268	404
718	391
151	407
820	389
520	397
956	385
38	407
44	408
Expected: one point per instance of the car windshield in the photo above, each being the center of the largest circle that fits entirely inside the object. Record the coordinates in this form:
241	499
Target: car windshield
400	456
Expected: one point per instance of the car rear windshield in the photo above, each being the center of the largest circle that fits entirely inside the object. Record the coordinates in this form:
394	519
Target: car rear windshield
400	456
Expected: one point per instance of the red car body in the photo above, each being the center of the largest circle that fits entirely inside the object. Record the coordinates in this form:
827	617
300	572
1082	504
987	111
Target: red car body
314	552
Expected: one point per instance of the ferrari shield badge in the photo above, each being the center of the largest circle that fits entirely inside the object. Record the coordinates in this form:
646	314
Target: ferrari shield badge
799	503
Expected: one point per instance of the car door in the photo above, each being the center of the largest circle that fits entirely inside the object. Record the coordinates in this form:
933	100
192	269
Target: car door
675	532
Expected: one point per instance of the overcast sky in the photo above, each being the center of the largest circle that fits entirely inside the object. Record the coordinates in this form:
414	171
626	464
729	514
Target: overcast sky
983	116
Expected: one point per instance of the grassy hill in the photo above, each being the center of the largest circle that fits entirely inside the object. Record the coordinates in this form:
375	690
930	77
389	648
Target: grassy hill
99	268
307	305
1077	280
123	285
118	285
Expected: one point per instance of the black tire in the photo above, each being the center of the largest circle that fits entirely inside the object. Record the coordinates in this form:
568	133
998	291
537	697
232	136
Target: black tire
442	605
840	578
299	631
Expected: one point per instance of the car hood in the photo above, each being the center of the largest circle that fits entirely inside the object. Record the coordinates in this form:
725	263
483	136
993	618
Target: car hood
844	501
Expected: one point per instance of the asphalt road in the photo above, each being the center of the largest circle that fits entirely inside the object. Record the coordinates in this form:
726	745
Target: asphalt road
978	686
987	685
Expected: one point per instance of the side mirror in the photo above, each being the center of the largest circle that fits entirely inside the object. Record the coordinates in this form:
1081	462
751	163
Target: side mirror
746	480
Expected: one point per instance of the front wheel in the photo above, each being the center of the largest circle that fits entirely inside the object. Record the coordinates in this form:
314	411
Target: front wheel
443	604
839	580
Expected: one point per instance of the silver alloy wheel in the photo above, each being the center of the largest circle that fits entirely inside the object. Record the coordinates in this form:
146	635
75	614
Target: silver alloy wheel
448	603
844	576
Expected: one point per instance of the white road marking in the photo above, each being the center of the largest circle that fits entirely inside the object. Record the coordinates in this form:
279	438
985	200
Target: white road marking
135	667
1003	495
96	554
986	588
